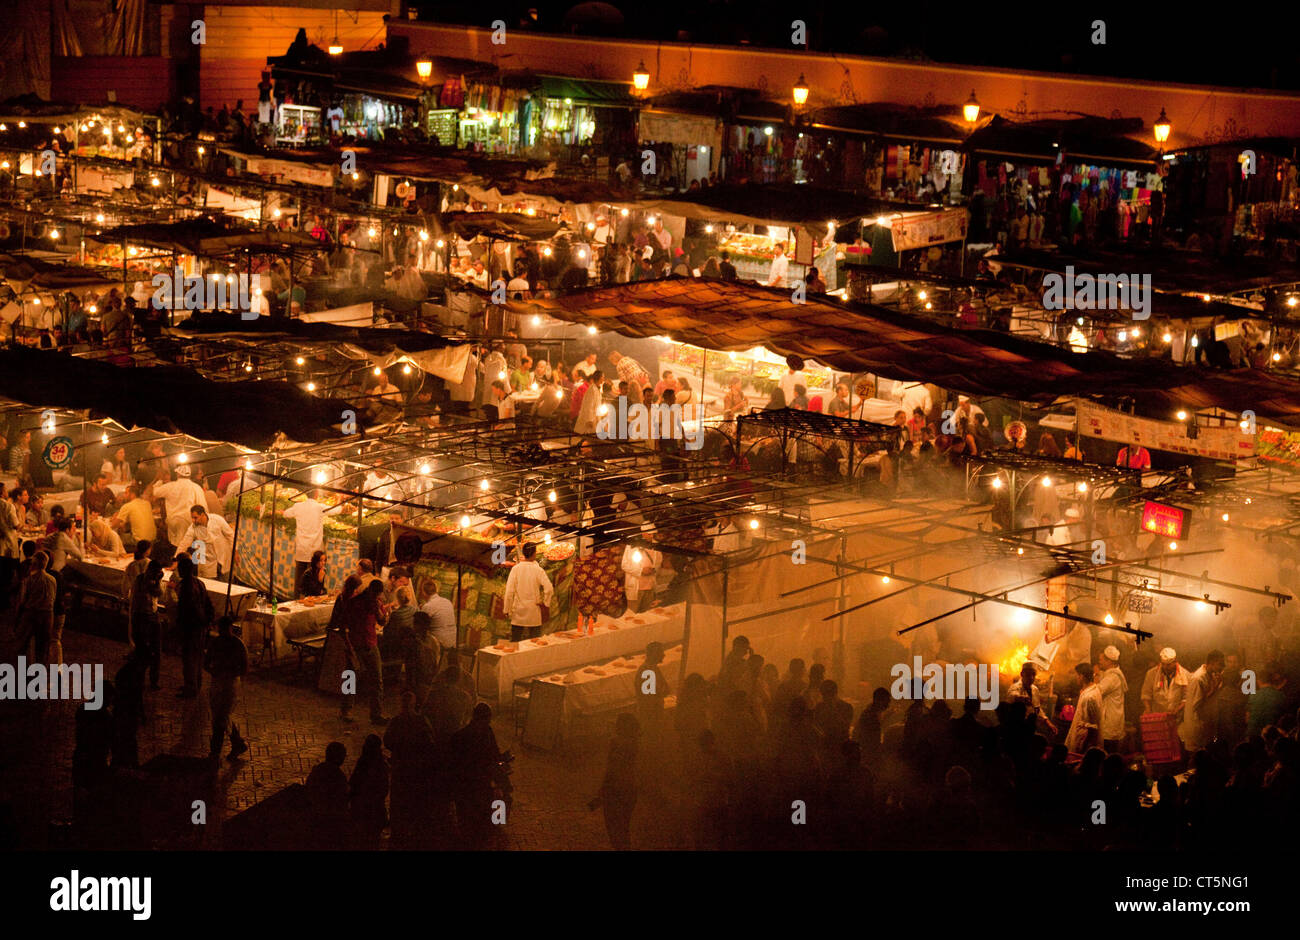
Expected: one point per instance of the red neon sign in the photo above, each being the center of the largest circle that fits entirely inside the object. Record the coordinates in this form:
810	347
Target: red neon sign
1163	520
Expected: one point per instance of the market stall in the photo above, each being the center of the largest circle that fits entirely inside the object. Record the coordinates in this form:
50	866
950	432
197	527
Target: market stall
497	667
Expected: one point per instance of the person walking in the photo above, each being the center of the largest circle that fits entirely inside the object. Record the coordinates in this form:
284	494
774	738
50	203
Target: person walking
227	661
618	790
36	608
364	616
193	617
145	627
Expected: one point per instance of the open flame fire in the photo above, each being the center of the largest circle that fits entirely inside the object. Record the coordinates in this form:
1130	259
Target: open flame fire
1010	666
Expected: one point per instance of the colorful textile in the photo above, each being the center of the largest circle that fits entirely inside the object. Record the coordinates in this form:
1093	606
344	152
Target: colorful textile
598	584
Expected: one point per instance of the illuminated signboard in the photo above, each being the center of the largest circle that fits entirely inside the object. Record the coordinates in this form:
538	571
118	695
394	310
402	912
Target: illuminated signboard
1168	521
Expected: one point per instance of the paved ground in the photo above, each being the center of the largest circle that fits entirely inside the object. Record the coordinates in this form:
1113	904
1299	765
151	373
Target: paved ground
288	724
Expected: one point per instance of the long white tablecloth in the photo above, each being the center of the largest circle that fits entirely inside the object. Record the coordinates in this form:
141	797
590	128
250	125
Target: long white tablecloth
290	621
105	574
497	669
593	688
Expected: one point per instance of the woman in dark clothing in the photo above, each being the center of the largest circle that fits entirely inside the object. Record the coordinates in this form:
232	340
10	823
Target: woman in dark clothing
312	582
618	790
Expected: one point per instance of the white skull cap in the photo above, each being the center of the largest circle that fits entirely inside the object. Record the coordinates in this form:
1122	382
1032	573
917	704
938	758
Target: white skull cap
1111	653
1167	655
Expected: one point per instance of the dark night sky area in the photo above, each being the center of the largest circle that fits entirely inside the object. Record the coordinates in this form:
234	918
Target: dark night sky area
1247	46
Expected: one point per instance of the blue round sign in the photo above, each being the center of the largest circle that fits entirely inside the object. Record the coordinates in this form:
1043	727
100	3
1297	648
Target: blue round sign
58	453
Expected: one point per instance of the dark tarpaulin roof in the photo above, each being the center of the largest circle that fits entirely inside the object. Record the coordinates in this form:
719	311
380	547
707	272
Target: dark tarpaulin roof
780	204
205	236
45	275
582	90
1170	269
505	225
1084	140
170	398
891	120
855	337
371	339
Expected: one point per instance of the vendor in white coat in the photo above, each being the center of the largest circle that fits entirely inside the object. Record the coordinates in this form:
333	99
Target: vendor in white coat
1165	686
640	565
1199	718
1114	686
527	590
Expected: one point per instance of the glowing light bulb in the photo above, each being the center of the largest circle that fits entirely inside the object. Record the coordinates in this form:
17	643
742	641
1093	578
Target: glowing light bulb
1277	357
99	217
300	361
753	523
155	181
591	330
356	176
54	233
484	485
708	229
406	369
248	463
922	295
248	367
440	243
996	483
202	151
501	375
559	393
637	556
1224	517
1020	551
1167	337
1109	619
551	497
602	410
311	386
378	371
464	522
547	538
546	252
182	458
424	235
537	321
1182	415
885	579
1173	546
1047	481
103	438
623	213
320	476
372	232
423	469
1081	487
1122	336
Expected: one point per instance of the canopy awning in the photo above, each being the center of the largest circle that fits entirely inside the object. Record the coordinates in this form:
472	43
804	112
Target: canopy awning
856	337
1084	140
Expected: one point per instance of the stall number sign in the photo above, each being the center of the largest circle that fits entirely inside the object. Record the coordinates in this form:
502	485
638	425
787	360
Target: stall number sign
1164	520
58	453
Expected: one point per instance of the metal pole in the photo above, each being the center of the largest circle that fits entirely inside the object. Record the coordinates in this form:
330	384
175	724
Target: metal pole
270	564
234	548
459	570
725	574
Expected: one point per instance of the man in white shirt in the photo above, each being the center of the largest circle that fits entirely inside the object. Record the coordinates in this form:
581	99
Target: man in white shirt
780	265
587	366
309	532
639	568
527	587
518	288
218	542
178	497
1165	686
1085	728
443	617
504	400
1199	718
1113	686
462	392
917	396
794	376
603	233
381	485
728	537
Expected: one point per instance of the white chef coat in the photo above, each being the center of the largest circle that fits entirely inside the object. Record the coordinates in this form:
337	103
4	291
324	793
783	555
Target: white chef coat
309	536
178	497
1087	715
776	275
1114	686
218	544
526	587
634	583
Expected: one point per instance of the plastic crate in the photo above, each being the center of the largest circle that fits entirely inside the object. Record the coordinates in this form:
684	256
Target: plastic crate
1160	744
